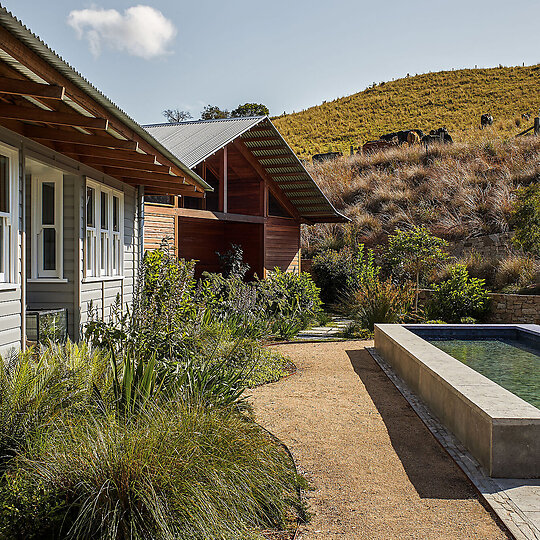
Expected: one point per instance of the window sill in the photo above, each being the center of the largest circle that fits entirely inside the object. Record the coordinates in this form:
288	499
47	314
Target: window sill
9	286
102	278
47	280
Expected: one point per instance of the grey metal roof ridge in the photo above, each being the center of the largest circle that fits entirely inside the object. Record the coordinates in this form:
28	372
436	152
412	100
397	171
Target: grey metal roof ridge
14	26
215	120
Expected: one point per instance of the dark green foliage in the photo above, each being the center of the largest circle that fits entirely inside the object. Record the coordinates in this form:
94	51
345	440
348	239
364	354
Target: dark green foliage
174	472
458	297
526	219
338	272
250	109
212	112
232	262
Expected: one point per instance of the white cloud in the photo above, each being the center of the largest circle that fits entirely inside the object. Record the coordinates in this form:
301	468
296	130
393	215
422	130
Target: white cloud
140	31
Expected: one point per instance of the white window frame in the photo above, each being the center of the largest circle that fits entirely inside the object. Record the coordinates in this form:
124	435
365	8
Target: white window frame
10	229
98	234
55	177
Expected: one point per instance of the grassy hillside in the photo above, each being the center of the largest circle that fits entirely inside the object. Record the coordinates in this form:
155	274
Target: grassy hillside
457	191
455	99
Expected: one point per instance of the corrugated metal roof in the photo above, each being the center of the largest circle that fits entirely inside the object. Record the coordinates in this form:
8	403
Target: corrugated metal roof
194	141
38	46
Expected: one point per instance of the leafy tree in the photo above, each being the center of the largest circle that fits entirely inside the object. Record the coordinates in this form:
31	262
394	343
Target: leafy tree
415	252
526	219
176	115
213	112
250	109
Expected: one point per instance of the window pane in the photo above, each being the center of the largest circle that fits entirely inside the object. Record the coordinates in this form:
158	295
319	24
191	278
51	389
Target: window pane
90	221
115	256
49	249
104	211
115	215
104	254
88	252
47	203
4	184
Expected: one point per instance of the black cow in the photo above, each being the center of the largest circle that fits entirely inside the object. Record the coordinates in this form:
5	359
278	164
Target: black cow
440	135
321	158
486	120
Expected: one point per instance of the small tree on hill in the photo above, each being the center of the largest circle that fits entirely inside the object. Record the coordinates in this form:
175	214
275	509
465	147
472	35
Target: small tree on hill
176	115
250	109
526	219
416	252
213	112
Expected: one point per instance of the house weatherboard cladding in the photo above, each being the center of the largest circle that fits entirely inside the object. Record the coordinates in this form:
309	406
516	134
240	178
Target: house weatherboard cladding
194	141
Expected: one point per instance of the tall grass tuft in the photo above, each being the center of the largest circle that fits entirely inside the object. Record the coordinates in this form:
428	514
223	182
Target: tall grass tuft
174	472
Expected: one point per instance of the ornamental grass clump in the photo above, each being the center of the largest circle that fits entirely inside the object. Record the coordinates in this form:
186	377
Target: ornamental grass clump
176	471
379	301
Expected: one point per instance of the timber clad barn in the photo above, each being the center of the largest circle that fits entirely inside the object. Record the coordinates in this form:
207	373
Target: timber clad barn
261	195
73	169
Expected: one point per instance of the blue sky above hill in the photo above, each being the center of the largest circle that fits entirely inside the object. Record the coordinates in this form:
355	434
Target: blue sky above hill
290	55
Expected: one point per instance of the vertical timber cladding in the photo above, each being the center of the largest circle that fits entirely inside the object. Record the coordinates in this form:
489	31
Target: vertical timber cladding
282	244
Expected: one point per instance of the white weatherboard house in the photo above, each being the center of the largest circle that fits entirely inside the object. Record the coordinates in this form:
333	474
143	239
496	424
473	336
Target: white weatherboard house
73	170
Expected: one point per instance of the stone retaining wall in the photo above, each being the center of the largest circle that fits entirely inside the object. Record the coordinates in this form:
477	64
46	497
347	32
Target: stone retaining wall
493	246
518	308
506	308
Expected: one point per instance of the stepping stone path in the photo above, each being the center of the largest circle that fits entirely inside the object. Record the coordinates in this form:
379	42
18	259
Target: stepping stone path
332	331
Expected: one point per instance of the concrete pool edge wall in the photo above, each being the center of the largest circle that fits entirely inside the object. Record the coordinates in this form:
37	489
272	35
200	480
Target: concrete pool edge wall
500	429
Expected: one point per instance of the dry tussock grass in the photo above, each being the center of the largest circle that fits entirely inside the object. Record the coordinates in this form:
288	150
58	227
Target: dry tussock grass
458	191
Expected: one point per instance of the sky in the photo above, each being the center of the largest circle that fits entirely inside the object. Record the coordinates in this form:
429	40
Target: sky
152	55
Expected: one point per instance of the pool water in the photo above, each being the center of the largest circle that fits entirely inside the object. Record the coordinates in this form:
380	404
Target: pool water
512	364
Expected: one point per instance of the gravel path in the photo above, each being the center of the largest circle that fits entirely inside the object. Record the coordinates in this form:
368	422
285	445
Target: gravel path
376	471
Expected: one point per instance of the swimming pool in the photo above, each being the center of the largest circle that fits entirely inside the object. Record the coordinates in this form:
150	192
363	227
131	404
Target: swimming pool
512	359
481	381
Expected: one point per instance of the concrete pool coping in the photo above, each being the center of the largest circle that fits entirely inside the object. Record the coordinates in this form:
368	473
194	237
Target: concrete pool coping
515	501
501	430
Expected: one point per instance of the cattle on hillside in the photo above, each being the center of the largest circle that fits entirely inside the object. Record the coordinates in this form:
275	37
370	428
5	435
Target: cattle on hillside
401	137
440	135
486	120
372	147
413	138
321	158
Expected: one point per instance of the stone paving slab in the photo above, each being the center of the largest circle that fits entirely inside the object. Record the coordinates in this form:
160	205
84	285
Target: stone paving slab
515	501
336	327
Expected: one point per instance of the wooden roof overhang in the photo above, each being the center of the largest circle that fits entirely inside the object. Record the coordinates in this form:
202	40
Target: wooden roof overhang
272	157
44	99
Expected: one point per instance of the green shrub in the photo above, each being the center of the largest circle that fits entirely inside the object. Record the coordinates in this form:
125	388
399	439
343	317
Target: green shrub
459	296
232	262
291	301
338	272
414	253
379	301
